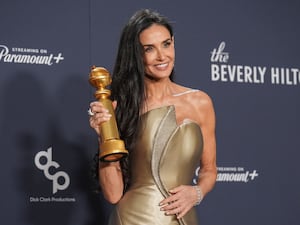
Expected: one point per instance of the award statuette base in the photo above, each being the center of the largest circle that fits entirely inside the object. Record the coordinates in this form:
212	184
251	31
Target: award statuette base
112	151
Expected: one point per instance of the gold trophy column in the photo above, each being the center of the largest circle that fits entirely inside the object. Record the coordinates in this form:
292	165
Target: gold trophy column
112	148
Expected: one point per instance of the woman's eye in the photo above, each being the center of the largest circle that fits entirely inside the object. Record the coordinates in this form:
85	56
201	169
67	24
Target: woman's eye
167	44
148	49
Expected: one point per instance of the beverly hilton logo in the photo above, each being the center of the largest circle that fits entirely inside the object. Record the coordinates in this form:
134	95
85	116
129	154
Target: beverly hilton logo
223	71
29	56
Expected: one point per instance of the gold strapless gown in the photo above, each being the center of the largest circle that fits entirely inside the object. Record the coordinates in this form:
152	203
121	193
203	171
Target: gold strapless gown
166	156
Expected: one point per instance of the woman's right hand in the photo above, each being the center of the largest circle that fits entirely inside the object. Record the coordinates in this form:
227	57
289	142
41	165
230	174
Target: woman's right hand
100	115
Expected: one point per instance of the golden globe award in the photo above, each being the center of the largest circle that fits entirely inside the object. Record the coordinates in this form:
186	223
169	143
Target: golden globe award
112	148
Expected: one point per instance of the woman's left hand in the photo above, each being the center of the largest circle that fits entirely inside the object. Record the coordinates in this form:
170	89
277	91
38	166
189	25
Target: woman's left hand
182	199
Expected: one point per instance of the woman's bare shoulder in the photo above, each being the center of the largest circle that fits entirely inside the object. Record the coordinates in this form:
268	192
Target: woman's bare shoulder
201	105
197	100
196	96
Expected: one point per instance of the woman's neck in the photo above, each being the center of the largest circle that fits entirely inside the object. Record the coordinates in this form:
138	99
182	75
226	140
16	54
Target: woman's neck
159	89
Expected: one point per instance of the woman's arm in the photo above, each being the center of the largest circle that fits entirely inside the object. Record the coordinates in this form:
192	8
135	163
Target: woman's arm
208	169
110	173
111	181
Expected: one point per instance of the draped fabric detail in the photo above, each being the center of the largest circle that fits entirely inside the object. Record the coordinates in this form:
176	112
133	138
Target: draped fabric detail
163	134
161	139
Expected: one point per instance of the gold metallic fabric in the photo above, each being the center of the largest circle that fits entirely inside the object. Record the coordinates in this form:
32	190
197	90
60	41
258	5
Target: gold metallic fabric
166	156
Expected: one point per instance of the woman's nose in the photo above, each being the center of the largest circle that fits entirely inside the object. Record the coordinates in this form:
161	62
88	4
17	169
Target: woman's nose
160	54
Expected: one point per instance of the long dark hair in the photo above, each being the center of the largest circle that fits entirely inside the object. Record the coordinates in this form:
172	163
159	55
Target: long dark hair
127	86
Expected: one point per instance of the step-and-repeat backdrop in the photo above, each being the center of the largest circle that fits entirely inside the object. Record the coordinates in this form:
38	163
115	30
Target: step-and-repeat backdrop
244	54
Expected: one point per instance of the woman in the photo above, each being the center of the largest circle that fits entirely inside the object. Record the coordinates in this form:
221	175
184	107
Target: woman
167	128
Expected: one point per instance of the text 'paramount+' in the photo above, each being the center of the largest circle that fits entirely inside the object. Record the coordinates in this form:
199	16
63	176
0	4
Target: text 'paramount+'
29	56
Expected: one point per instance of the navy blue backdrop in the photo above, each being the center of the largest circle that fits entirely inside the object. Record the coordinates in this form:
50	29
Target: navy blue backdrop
244	54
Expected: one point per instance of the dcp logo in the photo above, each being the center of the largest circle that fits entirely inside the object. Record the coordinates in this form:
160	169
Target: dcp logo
47	165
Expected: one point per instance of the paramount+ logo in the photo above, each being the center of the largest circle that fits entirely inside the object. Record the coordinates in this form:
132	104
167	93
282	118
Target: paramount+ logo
43	161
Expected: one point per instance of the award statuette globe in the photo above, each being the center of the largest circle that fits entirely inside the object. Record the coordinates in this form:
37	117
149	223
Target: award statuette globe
112	148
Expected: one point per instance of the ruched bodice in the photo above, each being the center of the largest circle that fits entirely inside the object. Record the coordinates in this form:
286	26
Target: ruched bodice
166	156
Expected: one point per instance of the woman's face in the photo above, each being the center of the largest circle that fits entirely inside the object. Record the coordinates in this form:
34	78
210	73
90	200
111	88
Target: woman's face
159	52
